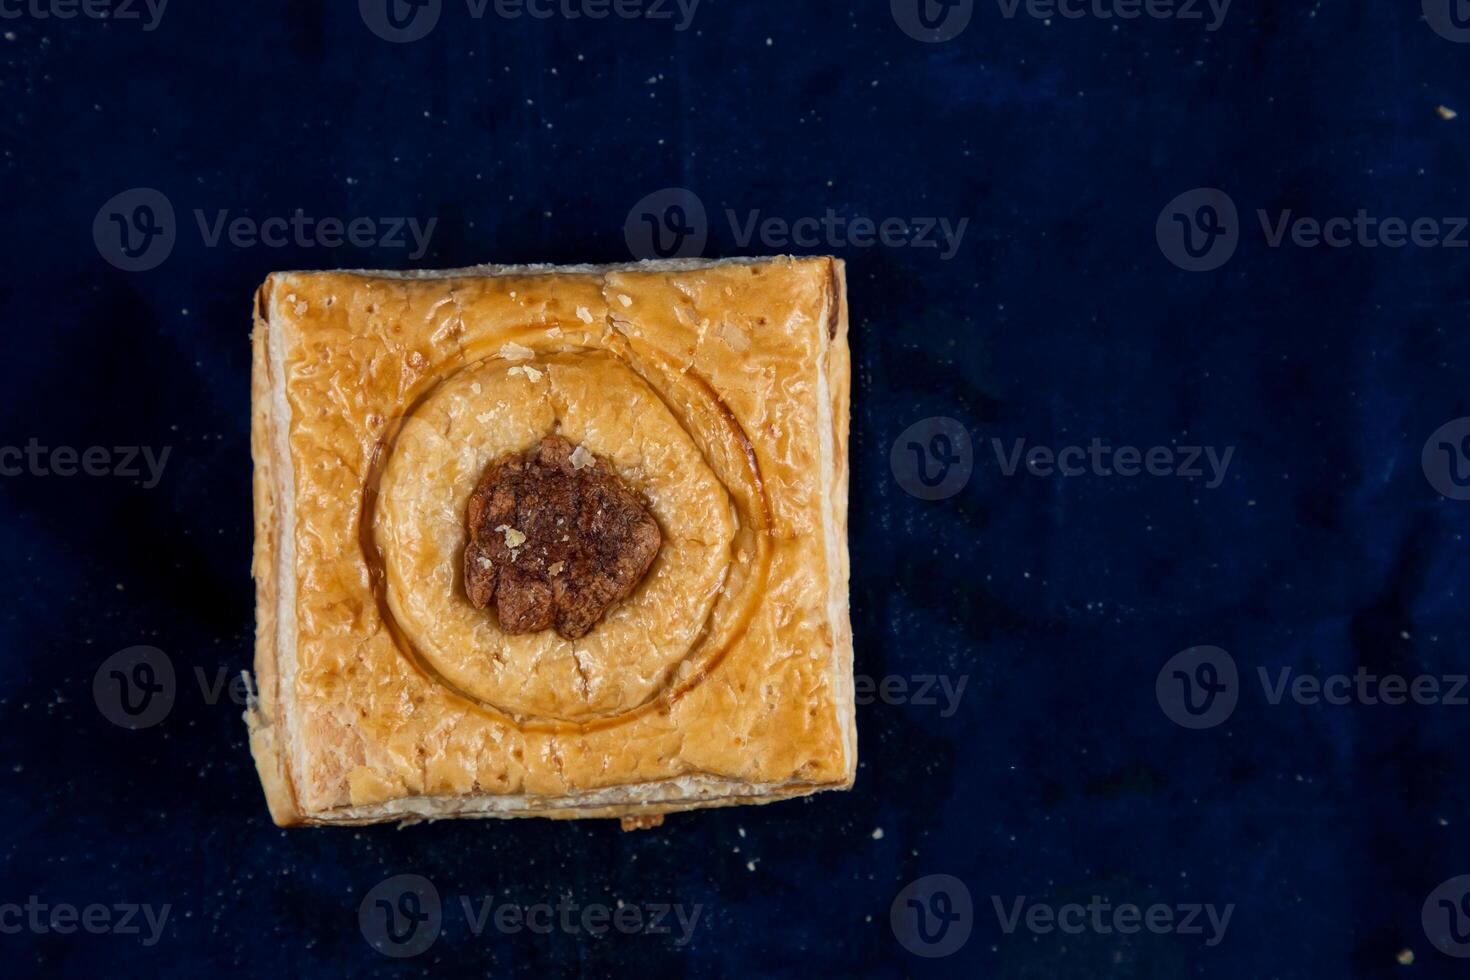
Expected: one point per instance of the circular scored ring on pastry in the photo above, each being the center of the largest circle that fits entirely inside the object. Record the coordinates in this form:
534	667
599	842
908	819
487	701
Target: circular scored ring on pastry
678	448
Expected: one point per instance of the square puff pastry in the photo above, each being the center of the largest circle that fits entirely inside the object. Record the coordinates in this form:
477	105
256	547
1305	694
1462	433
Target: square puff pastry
718	391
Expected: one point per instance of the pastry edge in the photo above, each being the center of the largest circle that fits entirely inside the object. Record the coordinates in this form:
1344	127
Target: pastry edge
270	738
264	717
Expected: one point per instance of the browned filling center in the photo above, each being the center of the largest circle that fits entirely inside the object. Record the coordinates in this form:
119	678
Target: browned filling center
555	539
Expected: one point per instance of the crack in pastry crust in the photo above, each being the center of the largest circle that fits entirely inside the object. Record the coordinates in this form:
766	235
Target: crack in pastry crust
555	539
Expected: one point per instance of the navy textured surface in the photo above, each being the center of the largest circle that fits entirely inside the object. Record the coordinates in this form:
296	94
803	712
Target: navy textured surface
1060	317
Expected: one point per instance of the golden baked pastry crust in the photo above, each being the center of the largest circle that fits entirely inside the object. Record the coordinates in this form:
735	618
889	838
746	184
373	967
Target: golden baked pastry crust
718	391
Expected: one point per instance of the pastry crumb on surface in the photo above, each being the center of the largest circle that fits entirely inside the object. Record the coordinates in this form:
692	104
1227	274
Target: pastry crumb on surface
1406	957
581	458
734	337
643	822
584	314
529	372
625	299
513	538
511	351
1445	112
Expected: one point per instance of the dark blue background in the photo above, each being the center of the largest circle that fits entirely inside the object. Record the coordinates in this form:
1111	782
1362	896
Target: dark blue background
1059	320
